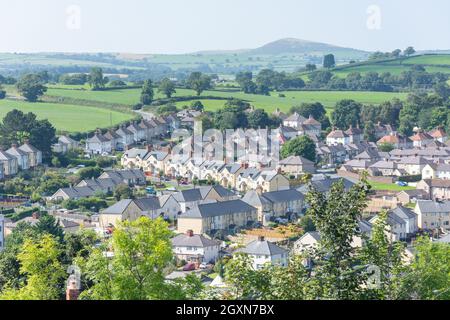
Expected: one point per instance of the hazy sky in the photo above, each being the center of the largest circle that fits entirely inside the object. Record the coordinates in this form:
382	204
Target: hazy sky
177	26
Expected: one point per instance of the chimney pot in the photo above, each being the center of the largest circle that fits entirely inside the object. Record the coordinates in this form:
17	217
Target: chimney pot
260	238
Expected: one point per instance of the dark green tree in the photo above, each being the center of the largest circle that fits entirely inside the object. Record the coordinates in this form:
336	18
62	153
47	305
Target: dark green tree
258	119
96	79
167	87
300	146
31	87
346	113
335	215
328	61
147	92
198	82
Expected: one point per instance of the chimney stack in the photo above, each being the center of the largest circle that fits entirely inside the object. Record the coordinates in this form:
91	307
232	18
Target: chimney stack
149	147
190	233
260	238
72	291
35	215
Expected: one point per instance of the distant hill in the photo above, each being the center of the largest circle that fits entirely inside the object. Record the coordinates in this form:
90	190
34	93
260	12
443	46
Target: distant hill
298	46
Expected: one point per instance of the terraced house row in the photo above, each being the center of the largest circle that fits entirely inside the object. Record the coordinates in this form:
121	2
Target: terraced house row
137	131
17	158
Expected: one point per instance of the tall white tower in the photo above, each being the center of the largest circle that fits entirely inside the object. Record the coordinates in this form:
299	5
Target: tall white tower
2	232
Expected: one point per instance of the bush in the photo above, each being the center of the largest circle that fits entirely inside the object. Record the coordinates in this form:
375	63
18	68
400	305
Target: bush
413	178
137	106
23	214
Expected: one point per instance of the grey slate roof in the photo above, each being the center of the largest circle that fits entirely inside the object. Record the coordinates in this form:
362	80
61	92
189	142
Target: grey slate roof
283	196
253	198
199	241
118	207
296	160
404	213
218	209
430	206
324	185
264	247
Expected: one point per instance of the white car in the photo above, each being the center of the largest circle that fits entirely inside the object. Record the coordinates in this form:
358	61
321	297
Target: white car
203	265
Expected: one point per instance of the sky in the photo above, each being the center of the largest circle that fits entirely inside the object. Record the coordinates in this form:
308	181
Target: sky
182	26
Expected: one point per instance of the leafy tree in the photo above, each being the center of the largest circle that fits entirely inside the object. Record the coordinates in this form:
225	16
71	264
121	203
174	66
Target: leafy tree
30	87
244	79
147	92
270	282
309	67
319	79
142	252
369	131
409	118
198	82
47	224
346	113
2	93
335	216
39	262
17	124
328	61
307	224
409	51
396	53
300	146
386	147
428	277
89	173
79	244
315	109
387	256
258	119
232	115
197	106
10	275
167	87
96	79
123	192
442	89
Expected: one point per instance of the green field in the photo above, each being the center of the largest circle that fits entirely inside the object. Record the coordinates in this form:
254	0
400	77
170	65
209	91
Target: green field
269	103
388	186
439	59
431	63
64	117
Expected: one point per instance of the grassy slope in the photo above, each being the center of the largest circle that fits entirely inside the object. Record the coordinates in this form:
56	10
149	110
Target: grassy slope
431	63
269	103
66	117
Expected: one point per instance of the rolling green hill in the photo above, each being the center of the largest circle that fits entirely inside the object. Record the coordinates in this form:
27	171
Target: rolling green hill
431	63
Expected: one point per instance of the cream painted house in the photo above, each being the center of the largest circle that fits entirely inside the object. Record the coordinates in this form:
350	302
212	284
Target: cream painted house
436	171
433	214
263	253
195	248
219	216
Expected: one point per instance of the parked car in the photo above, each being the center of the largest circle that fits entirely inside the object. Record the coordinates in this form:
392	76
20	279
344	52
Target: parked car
150	190
189	267
402	183
203	265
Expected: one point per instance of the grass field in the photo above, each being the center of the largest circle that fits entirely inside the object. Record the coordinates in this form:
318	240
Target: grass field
431	63
441	59
269	103
388	186
64	117
71	117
